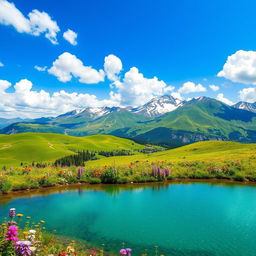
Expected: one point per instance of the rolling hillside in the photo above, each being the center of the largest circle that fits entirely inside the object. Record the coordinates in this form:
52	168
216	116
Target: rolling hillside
212	151
43	147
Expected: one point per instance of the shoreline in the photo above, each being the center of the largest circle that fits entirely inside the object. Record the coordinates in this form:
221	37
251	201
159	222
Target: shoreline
59	188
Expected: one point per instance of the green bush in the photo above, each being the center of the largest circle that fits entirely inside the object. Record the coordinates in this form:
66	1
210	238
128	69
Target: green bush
93	180
110	176
123	180
5	185
239	177
47	182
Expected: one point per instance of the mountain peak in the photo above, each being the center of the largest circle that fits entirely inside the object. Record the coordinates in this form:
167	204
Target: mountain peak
246	106
158	106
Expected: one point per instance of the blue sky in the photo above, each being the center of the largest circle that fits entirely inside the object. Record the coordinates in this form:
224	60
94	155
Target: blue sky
175	41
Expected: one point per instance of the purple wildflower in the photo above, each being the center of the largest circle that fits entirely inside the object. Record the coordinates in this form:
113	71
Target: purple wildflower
12	233
154	171
22	248
167	172
128	251
12	213
158	171
80	172
123	252
11	222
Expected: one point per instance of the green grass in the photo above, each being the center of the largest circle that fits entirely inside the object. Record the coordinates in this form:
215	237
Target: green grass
209	151
47	147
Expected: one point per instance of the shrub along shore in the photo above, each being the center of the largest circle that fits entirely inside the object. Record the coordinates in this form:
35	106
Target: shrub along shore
21	178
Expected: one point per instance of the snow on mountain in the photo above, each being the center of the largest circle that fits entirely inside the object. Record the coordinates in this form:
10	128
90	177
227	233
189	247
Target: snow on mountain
158	106
155	107
246	106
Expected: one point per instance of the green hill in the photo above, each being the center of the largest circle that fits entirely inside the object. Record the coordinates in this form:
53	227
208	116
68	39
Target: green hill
211	151
109	123
45	147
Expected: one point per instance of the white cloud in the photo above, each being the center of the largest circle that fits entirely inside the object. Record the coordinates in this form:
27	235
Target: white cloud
68	65
27	103
38	68
4	85
41	22
214	87
221	98
190	87
168	89
70	36
248	95
136	90
36	24
112	66
240	67
1	64
177	95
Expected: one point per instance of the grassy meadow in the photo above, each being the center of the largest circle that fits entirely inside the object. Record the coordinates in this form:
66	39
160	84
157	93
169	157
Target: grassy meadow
47	147
202	160
208	151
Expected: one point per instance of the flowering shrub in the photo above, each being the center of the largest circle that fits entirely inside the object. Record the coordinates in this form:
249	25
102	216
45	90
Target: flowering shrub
5	185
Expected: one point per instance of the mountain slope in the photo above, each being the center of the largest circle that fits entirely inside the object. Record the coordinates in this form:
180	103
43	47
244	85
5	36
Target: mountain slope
246	106
205	119
6	122
42	147
106	124
195	120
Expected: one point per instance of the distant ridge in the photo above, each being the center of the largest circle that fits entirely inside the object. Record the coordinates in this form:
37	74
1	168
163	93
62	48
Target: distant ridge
163	120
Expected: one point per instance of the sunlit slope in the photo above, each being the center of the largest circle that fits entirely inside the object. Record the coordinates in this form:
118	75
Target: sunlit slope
41	147
206	151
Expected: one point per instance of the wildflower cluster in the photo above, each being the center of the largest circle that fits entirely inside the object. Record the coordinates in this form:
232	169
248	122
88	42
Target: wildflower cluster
28	239
159	173
31	239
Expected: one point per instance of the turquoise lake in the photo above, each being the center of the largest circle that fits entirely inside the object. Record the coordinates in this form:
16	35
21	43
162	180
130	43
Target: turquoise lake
183	219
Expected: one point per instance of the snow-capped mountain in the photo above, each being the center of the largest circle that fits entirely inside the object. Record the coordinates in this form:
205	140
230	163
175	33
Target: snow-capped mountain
246	106
155	107
158	106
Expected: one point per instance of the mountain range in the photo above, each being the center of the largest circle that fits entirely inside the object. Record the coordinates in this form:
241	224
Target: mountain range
163	120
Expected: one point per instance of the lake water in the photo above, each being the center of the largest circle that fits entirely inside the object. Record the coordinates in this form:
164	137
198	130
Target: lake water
199	219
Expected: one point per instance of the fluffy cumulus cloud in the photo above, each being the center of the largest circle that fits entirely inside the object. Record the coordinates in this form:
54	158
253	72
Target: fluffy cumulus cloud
1	64
38	68
248	95
214	87
135	89
190	87
68	65
24	102
240	67
36	23
221	98
70	36
112	66
4	85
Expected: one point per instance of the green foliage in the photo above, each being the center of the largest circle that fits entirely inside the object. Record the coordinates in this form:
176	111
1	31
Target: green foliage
5	185
77	159
110	176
